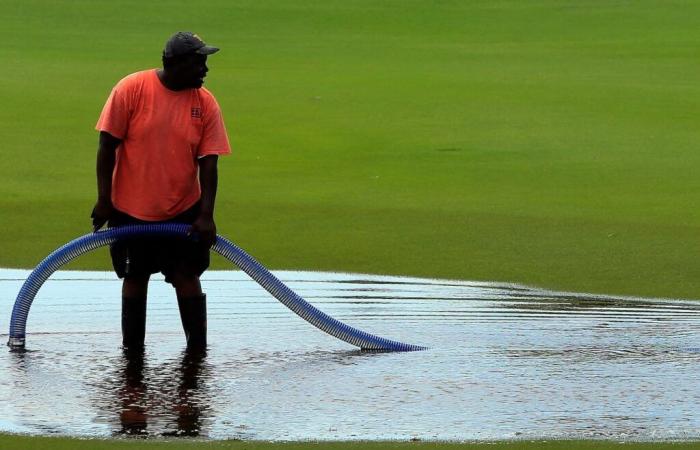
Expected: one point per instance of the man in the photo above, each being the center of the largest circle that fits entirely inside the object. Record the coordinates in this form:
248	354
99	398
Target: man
160	136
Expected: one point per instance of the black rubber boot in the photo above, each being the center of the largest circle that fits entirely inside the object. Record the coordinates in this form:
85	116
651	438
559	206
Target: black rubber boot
133	323
193	312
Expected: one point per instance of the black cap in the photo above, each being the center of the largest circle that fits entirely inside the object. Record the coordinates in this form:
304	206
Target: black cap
185	42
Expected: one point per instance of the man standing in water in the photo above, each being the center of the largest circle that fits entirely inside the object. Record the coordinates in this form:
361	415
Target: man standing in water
160	136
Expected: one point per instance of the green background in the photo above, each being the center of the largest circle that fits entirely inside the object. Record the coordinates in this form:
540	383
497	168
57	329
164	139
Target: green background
552	143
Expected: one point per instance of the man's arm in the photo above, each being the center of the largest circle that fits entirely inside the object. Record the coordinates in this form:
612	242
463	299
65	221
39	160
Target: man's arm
106	155
208	181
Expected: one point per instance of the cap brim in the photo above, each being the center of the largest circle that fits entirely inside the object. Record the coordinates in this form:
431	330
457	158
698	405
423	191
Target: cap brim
206	50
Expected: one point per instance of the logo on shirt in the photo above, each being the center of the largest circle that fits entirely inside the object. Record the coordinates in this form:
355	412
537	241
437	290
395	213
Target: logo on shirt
196	113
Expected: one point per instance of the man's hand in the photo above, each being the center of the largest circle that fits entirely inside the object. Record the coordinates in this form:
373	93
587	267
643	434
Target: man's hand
102	212
204	225
205	228
106	154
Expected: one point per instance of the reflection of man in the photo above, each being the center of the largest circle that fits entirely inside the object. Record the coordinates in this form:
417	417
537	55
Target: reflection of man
160	137
188	407
138	399
133	413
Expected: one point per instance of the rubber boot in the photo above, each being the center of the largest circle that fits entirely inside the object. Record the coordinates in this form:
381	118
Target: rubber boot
133	323
193	312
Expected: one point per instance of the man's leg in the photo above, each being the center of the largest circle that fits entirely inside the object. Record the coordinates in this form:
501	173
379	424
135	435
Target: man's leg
134	294
185	285
193	308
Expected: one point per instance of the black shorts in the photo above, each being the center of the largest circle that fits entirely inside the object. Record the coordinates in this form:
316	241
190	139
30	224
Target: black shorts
142	256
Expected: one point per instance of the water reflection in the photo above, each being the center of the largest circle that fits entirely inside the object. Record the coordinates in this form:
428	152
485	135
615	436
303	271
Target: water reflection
190	404
132	394
175	393
505	362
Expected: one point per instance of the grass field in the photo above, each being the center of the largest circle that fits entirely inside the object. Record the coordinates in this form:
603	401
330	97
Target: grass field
552	143
25	443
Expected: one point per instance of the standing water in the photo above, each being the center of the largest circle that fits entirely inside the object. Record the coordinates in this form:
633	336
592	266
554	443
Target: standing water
505	361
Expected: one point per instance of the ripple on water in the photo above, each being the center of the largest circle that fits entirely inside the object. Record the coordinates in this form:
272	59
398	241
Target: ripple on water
505	361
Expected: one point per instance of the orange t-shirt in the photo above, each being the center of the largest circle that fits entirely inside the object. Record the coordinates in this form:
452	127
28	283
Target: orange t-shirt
163	133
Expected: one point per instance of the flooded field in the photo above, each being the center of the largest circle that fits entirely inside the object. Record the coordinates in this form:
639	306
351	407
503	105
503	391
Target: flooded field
504	362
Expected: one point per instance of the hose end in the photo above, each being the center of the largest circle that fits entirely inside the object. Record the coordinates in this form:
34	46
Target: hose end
16	343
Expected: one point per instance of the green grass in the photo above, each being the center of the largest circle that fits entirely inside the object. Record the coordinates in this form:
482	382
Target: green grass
552	143
49	443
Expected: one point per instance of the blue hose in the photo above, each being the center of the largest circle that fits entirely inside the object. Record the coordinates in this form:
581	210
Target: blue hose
222	246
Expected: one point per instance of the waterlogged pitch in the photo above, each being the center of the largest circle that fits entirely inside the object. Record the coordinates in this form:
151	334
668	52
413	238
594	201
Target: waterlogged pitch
548	143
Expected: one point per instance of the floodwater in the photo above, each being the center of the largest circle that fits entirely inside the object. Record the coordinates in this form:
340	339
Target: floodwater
505	362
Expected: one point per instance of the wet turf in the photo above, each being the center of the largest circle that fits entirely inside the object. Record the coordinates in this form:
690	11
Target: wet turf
540	142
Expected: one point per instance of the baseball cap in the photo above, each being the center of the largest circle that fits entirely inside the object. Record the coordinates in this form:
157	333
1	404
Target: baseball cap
185	42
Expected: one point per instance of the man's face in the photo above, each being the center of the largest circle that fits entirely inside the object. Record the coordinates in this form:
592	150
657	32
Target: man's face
190	71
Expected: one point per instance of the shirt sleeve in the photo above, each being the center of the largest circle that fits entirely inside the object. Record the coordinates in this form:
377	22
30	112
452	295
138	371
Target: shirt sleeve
114	118
214	138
